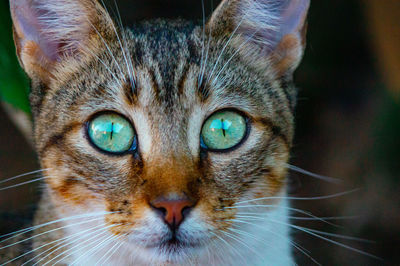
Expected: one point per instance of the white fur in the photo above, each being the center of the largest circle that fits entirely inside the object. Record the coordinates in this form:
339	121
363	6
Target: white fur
272	246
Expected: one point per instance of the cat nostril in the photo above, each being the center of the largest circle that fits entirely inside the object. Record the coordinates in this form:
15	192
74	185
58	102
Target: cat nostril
160	210
185	211
172	211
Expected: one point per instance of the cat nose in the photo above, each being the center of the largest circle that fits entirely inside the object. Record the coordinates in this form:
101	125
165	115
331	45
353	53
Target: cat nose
173	211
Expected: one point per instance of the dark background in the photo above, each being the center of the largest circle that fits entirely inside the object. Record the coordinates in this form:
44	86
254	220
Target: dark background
348	126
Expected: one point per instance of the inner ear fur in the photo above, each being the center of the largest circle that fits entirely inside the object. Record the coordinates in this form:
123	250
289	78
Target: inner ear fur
266	31
48	33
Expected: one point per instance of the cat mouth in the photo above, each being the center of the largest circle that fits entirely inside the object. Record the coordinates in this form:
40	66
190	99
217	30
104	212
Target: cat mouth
173	245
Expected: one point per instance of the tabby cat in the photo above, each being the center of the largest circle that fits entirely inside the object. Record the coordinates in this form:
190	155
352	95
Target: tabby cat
160	142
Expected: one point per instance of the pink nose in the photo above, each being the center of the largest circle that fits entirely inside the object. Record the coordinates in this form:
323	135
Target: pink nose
173	211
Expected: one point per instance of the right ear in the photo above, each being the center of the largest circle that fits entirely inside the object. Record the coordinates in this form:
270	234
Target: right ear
267	30
49	32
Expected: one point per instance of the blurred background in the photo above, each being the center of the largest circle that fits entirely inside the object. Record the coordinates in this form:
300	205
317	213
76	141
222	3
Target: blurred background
348	125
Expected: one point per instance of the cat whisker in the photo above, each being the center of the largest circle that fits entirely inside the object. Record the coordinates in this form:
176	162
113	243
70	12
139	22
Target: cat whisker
58	246
202	70
204	62
23	175
246	234
132	78
313	233
294	244
340	236
223	49
49	231
104	64
203	37
316	231
24	183
28	229
123	49
229	246
35	179
96	235
95	249
302	218
308	173
230	59
235	237
106	256
325	218
107	47
302	198
283	207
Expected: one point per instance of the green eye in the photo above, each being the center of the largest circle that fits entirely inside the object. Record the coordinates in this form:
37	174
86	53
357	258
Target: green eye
223	130
111	133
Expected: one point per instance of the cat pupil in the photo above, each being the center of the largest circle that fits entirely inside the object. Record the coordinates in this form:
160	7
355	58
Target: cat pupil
112	130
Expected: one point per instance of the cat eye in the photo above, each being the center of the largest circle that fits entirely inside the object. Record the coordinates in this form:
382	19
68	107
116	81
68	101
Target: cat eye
223	130
112	133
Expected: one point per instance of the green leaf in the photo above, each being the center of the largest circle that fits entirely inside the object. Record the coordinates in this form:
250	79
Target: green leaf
14	85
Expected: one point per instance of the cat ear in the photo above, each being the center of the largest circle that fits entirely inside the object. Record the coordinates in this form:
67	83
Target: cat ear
48	32
265	28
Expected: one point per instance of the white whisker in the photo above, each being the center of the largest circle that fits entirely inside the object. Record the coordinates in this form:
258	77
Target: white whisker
110	251
102	230
324	218
23	175
23	183
105	65
223	49
123	47
235	237
47	232
324	238
132	78
230	59
56	247
107	47
287	208
229	246
302	198
203	39
294	244
339	236
302	218
94	249
22	231
305	172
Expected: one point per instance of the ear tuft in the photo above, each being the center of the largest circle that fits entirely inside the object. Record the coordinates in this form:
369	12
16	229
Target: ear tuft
51	24
276	28
270	20
48	31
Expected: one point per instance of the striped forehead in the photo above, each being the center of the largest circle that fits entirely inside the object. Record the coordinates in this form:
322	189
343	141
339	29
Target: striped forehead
165	71
166	55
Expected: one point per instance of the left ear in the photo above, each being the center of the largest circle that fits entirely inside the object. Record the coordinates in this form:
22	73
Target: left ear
48	33
272	29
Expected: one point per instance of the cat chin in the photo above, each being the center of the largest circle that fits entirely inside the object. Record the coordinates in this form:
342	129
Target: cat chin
162	254
168	251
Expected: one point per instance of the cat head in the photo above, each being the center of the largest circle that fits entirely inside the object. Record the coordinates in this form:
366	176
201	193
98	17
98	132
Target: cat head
166	126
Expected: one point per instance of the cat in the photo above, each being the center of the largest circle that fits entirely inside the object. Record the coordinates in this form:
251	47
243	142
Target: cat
165	143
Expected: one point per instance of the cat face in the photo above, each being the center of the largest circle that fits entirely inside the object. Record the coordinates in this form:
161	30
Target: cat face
166	126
